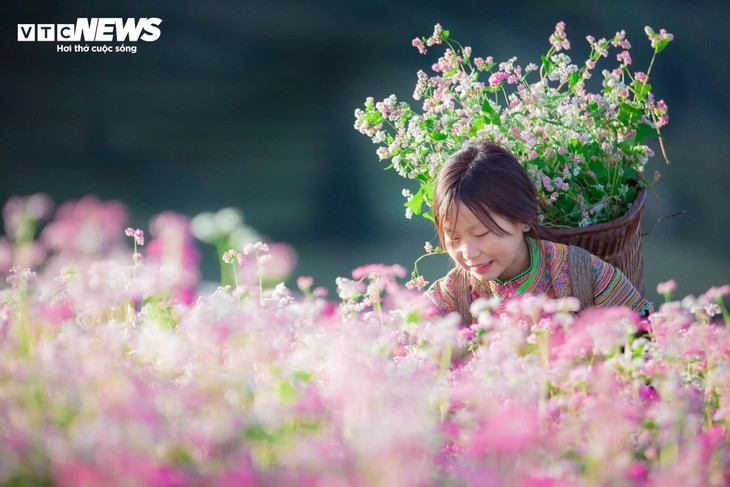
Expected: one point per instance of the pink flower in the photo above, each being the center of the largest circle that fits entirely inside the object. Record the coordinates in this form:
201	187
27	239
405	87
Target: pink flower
715	293
497	78
436	36
418	44
558	38
656	38
87	226
481	63
624	57
418	283
620	40
667	287
648	394
19	212
320	292
305	282
172	249
137	234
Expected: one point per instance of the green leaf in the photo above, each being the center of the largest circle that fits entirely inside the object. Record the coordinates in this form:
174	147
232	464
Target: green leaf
628	113
161	312
257	432
415	203
303	375
374	118
630	175
492	114
548	64
641	89
286	391
643	131
438	136
452	72
573	79
427	188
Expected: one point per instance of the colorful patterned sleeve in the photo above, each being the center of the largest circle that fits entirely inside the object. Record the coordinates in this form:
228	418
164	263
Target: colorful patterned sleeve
441	293
612	288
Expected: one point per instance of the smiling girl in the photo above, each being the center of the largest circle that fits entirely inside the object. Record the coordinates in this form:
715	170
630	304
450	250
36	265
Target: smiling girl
486	214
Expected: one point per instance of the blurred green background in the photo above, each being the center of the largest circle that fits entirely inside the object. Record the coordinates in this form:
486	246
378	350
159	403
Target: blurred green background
250	104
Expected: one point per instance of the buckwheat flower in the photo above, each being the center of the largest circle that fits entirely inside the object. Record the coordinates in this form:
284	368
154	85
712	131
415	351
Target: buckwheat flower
497	78
418	283
562	305
484	305
230	255
255	248
137	234
20	278
305	282
436	36
558	38
428	247
656	38
667	287
712	309
624	57
409	213
715	293
418	44
347	288
619	40
137	258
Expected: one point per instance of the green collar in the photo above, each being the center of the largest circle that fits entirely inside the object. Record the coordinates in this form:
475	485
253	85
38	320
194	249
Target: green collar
531	269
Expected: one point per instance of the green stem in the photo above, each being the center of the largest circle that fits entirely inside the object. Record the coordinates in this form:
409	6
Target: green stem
725	313
415	272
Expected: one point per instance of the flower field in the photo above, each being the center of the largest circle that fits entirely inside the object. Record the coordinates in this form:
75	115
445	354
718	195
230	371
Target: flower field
117	369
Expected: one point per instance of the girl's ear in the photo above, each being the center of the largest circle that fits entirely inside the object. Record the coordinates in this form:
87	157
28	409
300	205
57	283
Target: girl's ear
525	227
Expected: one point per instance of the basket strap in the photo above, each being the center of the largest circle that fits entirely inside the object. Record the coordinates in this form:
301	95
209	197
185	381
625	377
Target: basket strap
581	275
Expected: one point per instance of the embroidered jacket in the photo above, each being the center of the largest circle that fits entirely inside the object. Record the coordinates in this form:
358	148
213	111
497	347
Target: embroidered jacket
547	274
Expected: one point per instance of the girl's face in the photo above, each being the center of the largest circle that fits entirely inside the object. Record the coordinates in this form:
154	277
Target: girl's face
484	254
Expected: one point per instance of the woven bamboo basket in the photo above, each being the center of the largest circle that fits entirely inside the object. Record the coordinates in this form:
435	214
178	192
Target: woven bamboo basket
617	242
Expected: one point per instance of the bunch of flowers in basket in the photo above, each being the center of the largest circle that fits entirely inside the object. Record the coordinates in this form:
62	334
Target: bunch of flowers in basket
585	151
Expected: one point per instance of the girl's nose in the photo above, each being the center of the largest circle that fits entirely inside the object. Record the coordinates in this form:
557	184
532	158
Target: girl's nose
470	251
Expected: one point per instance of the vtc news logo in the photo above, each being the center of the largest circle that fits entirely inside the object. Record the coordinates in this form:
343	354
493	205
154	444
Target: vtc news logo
95	29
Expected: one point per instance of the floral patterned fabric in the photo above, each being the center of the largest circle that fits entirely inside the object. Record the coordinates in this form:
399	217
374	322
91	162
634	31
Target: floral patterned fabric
548	274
